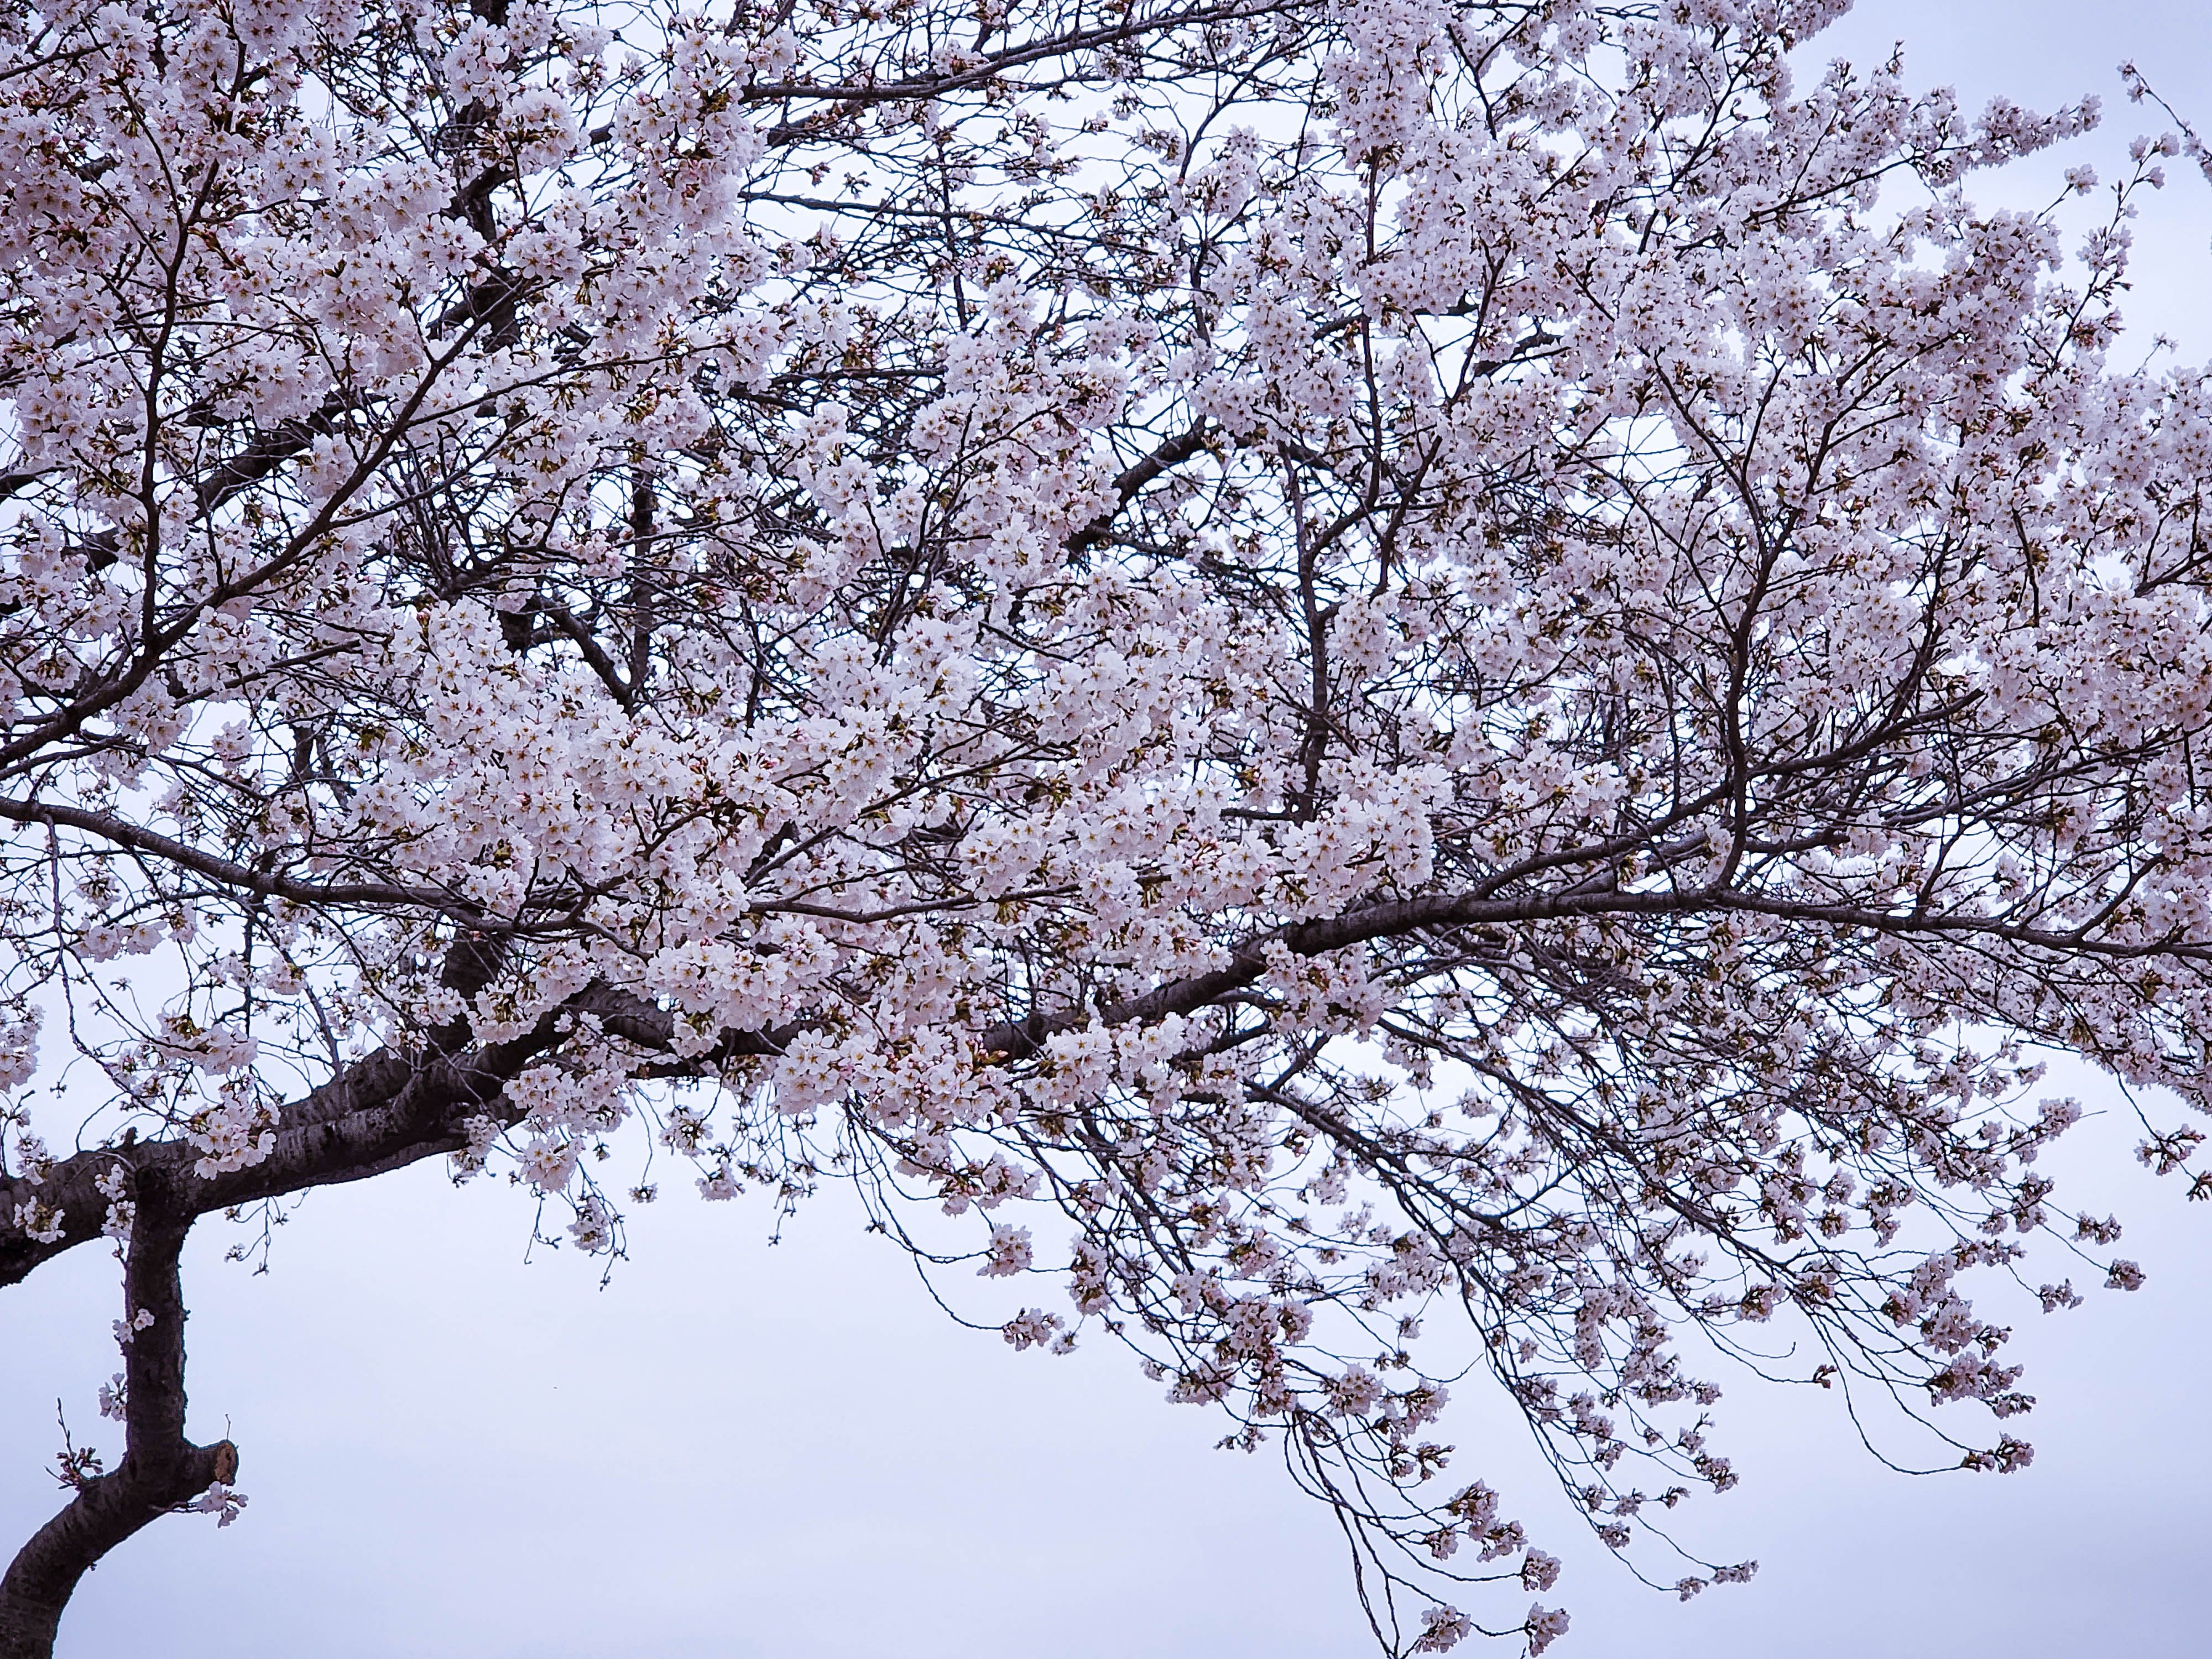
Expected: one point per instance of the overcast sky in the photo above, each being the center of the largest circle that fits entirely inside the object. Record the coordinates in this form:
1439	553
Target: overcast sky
738	1450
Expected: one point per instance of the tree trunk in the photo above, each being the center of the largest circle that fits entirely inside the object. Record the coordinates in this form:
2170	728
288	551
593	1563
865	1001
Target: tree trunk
160	1470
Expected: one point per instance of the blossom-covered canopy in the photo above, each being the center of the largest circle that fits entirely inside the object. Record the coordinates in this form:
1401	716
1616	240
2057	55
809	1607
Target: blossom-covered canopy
1282	668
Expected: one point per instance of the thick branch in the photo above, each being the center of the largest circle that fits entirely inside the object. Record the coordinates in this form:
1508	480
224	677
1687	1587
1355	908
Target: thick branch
384	1111
160	1470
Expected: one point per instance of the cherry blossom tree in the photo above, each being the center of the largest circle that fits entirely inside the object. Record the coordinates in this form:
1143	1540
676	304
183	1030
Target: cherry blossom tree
1293	669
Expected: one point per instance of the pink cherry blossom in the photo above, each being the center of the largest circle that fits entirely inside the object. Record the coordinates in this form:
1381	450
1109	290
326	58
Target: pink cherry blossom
1329	678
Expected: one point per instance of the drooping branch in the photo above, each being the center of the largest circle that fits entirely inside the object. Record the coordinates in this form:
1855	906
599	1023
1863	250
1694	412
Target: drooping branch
389	1110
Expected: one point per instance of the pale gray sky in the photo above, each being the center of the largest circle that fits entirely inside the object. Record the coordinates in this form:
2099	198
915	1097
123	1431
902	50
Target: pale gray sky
738	1450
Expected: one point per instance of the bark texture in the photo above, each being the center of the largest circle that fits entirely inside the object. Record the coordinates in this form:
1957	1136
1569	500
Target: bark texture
160	1470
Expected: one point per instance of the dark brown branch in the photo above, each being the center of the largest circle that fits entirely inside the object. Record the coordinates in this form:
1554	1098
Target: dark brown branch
227	872
264	453
382	1112
1172	454
160	1470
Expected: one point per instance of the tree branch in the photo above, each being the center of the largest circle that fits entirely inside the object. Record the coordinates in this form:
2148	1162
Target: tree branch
384	1111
